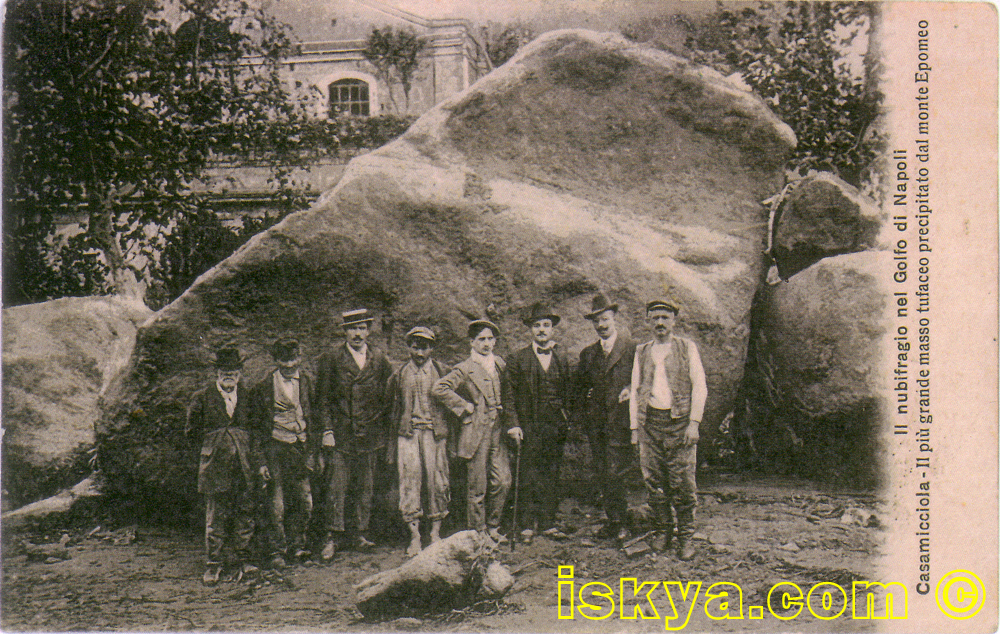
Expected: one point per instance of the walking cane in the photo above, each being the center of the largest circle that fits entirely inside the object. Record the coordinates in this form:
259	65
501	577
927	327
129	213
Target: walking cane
517	485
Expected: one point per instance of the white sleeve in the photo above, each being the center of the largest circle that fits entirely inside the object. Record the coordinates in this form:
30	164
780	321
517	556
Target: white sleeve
633	403
699	387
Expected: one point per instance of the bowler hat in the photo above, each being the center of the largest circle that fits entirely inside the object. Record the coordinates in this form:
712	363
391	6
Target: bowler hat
662	304
420	332
476	327
285	349
228	359
598	305
541	311
357	316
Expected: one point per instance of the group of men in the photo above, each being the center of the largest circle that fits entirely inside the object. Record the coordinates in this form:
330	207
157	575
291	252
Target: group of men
288	433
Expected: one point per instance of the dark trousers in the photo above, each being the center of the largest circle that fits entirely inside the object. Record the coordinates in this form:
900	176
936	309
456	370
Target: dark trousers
352	471
611	464
229	514
668	470
290	495
541	492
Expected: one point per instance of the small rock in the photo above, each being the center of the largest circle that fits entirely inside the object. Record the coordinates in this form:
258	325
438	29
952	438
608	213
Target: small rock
700	537
587	543
856	517
720	549
790	547
637	550
55	560
497	581
94	531
407	623
757	558
815	519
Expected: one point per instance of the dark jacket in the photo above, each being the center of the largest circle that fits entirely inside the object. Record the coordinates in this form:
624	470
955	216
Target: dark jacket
262	409
353	403
228	445
541	421
600	379
465	385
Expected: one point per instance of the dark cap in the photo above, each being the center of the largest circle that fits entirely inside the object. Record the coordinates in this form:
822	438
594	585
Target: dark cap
476	327
541	311
420	332
662	304
285	349
357	316
598	305
228	359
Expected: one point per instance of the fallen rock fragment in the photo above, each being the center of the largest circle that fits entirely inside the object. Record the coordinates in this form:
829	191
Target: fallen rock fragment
637	550
791	547
450	574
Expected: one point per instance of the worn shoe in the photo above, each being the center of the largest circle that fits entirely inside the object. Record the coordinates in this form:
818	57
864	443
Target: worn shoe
365	544
212	574
622	535
301	554
497	536
685	550
527	536
329	550
555	534
278	562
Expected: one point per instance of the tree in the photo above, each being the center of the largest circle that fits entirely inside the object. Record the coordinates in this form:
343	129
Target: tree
111	110
803	58
502	41
395	54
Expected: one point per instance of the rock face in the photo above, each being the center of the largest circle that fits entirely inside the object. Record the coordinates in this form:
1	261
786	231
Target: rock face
820	217
449	574
814	377
586	163
58	357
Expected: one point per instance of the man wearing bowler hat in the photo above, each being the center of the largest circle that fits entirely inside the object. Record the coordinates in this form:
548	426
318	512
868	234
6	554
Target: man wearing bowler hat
666	405
477	390
541	381
603	385
281	408
421	433
353	408
230	462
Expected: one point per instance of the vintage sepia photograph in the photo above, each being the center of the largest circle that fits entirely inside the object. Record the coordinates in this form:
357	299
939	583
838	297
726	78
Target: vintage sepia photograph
518	316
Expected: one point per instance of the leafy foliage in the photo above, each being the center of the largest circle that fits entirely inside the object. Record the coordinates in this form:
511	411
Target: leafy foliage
395	54
814	64
110	112
502	41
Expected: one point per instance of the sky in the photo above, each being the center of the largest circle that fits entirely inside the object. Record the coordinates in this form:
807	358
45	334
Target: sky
311	18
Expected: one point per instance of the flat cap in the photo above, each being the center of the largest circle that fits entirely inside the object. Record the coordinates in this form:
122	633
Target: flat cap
420	332
285	349
662	304
476	327
357	316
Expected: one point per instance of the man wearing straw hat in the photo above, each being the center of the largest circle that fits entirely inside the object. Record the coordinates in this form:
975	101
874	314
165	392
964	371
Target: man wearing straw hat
230	462
666	406
353	406
478	392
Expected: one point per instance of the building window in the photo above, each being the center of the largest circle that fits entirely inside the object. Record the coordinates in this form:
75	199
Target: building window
349	95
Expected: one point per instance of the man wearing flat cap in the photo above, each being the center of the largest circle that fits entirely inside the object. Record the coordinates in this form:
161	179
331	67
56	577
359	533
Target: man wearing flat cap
421	436
230	462
281	408
541	381
603	386
666	406
353	407
477	391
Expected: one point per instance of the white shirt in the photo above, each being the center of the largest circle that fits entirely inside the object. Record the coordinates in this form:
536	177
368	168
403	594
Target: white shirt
360	356
609	344
229	397
488	361
660	395
544	359
699	387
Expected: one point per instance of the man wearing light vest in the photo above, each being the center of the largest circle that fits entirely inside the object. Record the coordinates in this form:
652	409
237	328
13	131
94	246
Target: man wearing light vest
666	405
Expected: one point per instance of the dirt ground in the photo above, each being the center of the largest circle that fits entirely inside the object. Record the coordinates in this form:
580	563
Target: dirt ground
753	534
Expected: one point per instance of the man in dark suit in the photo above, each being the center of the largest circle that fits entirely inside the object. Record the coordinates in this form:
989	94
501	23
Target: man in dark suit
477	391
604	379
541	382
230	461
354	411
282	414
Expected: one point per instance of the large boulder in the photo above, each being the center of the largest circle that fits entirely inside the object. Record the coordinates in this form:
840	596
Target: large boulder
823	216
58	358
586	163
815	380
